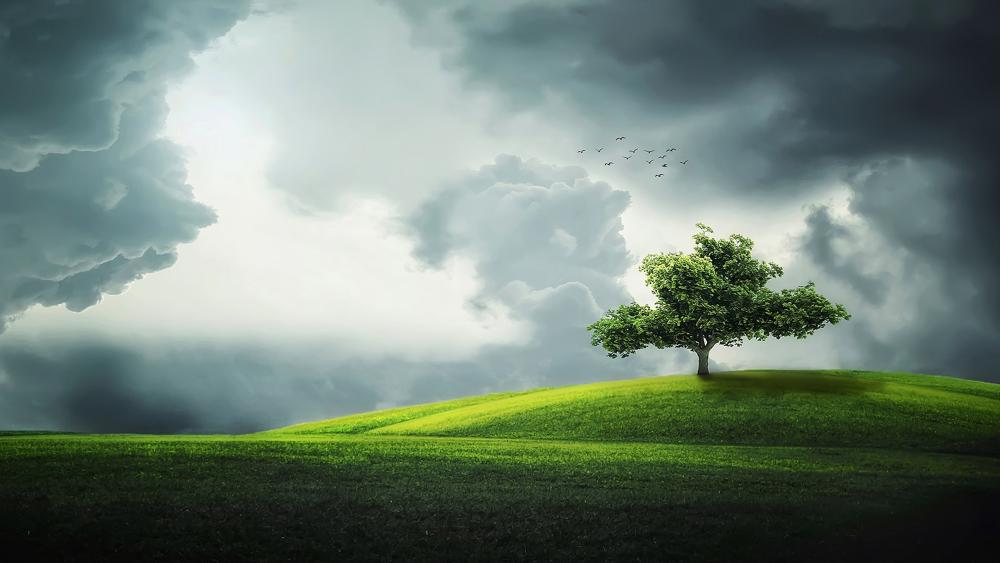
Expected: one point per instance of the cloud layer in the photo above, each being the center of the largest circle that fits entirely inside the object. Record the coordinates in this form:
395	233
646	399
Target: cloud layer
92	199
544	241
547	245
778	99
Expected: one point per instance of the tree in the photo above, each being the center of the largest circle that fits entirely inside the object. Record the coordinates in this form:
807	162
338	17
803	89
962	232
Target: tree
715	295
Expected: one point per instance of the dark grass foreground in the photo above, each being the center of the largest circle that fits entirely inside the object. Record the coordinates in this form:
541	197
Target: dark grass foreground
649	471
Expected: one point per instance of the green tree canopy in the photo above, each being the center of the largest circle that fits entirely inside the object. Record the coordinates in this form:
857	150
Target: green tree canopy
715	295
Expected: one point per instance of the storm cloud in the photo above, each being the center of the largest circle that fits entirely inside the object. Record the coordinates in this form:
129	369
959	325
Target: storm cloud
544	240
92	199
823	235
778	98
91	385
71	68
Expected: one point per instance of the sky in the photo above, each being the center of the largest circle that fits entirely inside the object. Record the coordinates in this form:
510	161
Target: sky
226	216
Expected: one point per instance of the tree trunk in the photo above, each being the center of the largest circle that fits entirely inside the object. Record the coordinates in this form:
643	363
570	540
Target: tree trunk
702	362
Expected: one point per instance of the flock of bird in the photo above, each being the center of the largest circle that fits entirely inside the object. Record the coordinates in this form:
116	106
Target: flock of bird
635	150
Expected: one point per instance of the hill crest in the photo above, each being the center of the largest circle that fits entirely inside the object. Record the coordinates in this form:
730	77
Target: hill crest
759	407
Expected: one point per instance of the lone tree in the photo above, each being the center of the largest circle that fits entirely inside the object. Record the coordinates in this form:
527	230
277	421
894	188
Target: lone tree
716	295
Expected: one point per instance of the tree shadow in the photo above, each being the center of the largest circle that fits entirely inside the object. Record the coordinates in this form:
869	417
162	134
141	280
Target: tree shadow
783	382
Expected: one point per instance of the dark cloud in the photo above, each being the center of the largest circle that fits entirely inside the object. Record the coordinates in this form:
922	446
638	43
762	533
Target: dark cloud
87	223
527	221
780	97
547	246
802	85
819	242
90	198
71	67
936	318
96	386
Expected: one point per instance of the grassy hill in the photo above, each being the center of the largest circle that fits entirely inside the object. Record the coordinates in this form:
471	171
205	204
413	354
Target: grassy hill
786	408
776	465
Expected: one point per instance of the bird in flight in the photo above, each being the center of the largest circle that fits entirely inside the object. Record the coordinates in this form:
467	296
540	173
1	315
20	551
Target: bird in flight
626	157
648	151
684	162
658	175
619	138
600	149
581	151
671	149
633	150
662	156
664	165
649	162
609	164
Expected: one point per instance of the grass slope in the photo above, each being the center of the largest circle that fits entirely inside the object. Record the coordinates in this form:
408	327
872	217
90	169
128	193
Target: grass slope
804	408
779	466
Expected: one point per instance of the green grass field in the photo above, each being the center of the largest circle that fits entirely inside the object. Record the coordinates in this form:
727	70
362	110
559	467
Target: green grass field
750	465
